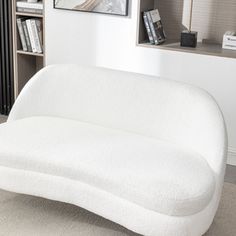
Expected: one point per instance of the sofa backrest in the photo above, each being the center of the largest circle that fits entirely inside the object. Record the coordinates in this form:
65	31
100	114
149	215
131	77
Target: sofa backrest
138	103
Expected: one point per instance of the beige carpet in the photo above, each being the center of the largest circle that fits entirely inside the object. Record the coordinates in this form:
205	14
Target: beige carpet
2	118
22	215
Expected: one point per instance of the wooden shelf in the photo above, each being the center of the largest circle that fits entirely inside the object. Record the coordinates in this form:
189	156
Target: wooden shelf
29	14
26	64
202	48
215	20
30	53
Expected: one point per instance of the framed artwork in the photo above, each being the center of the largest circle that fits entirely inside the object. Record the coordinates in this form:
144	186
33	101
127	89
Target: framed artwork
116	7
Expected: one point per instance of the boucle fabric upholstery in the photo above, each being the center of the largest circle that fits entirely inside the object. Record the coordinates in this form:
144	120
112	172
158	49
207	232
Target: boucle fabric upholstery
150	152
158	175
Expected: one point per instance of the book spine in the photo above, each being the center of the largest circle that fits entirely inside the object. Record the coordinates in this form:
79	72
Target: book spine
27	36
36	36
40	32
149	17
29	10
231	47
148	28
229	40
31	36
29	5
21	33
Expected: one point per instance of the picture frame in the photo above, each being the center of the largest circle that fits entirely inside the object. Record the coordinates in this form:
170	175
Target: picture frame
113	7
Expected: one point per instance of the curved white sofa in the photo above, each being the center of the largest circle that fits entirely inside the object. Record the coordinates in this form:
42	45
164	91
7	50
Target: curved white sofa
144	152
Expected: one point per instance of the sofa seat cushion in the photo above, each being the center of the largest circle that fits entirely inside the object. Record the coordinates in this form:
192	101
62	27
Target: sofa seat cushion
154	174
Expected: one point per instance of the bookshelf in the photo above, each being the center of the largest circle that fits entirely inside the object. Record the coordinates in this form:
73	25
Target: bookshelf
26	63
211	19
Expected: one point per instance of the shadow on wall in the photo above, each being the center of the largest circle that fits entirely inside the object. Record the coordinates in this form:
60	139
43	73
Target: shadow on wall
212	18
78	36
172	14
67	35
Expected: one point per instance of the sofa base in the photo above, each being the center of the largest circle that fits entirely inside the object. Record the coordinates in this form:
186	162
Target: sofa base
121	211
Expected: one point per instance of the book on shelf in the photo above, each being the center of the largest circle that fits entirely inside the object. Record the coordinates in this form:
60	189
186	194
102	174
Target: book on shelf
30	32
27	36
36	8
155	27
29	10
32	5
148	29
40	32
36	37
31	35
21	34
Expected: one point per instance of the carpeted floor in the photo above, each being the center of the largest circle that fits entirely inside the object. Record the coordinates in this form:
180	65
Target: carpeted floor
2	119
22	215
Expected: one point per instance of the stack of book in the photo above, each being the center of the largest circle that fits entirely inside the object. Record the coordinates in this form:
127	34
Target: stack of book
229	40
154	27
24	6
30	32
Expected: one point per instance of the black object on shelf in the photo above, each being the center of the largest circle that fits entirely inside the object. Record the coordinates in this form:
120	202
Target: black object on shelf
188	37
6	58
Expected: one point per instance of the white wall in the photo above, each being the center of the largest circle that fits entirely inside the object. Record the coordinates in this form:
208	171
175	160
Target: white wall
109	41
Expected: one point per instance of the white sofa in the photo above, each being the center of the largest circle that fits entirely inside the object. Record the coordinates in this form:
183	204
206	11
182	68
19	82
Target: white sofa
144	152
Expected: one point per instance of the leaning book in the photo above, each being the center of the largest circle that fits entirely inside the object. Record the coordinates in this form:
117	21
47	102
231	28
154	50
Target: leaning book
21	34
156	26
148	29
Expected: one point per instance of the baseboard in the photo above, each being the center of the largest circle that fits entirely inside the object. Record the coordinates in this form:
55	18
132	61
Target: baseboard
231	156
